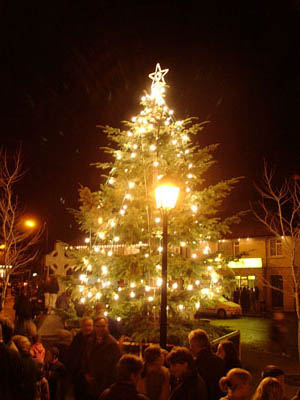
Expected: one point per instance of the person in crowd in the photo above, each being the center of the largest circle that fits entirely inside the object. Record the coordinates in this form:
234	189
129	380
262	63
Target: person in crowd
236	384
30	368
51	288
64	340
7	332
278	331
209	366
11	383
129	370
37	350
78	349
155	382
42	386
101	360
24	323
269	389
227	351
64	301
55	374
115	328
190	384
275	372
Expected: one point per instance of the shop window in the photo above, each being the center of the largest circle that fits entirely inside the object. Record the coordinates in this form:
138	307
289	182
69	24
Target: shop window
275	247
245	281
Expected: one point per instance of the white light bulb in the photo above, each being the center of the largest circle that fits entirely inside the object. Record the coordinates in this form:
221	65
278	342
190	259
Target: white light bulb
131	185
182	244
197	282
157	220
133	119
147	288
175	285
132	294
160	249
194	208
190	176
122	212
152	147
110	253
104	269
87	240
89	295
190	287
194	255
158	267
133	155
135	146
127	196
155	163
188	190
98	295
174	141
159	282
180	307
116	238
112	224
82	300
129	133
150	298
116	297
118	319
111	181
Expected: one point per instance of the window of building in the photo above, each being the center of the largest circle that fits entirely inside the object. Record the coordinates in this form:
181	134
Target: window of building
225	247
236	247
275	247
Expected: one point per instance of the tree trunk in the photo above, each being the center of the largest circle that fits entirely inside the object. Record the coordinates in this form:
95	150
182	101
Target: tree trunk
298	319
4	290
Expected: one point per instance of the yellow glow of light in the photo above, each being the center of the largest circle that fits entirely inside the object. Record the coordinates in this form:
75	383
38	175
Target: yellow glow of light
112	224
119	289
100	220
160	249
89	267
190	166
30	223
104	269
116	238
246	263
127	196
175	285
180	307
98	295
166	196
197	305
188	190
131	185
132	294
87	240
2	246
158	267
182	244
155	163
152	147
197	282
82	300
133	155
129	133
206	250
190	287
110	253
116	297
194	255
132	284
146	255
122	212
101	235
159	282
90	295
111	181
83	278
157	220
150	298
147	288
194	208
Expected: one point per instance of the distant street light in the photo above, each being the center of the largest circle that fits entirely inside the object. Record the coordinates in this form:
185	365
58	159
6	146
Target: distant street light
166	197
29	223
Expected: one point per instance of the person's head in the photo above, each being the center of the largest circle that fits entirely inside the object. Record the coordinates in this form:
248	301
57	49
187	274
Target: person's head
101	326
52	355
87	326
129	368
227	350
273	371
23	344
181	361
153	354
269	389
237	384
7	329
198	340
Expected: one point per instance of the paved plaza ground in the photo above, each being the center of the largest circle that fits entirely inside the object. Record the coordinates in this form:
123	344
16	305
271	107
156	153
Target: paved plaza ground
254	348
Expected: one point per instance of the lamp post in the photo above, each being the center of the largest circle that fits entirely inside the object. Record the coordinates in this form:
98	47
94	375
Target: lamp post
166	196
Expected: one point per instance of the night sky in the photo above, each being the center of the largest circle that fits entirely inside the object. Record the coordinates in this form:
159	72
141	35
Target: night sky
68	66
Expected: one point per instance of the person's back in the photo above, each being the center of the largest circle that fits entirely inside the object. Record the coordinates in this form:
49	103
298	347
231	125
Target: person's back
10	374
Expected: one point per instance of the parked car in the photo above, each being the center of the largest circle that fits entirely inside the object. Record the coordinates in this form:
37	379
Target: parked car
220	306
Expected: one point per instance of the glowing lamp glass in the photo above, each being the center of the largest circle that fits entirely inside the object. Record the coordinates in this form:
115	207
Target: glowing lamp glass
166	196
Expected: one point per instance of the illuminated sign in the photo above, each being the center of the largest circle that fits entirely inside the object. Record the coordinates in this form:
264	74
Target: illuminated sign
246	263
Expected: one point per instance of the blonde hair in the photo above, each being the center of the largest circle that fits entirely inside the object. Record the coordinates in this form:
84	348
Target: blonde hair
226	382
269	389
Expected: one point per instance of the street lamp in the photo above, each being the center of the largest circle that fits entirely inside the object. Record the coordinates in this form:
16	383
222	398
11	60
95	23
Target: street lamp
166	196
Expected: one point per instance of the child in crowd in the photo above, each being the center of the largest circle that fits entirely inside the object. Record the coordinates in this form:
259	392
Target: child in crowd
269	389
236	384
272	371
227	351
55	374
37	350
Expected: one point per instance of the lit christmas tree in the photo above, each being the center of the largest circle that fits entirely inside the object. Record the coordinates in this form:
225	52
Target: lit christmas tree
121	265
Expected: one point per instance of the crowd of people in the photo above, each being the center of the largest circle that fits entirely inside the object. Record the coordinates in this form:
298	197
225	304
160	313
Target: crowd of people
93	365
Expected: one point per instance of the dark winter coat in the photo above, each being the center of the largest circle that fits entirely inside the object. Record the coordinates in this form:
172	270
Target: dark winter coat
10	374
102	364
55	374
211	368
31	374
77	354
51	285
122	391
192	388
